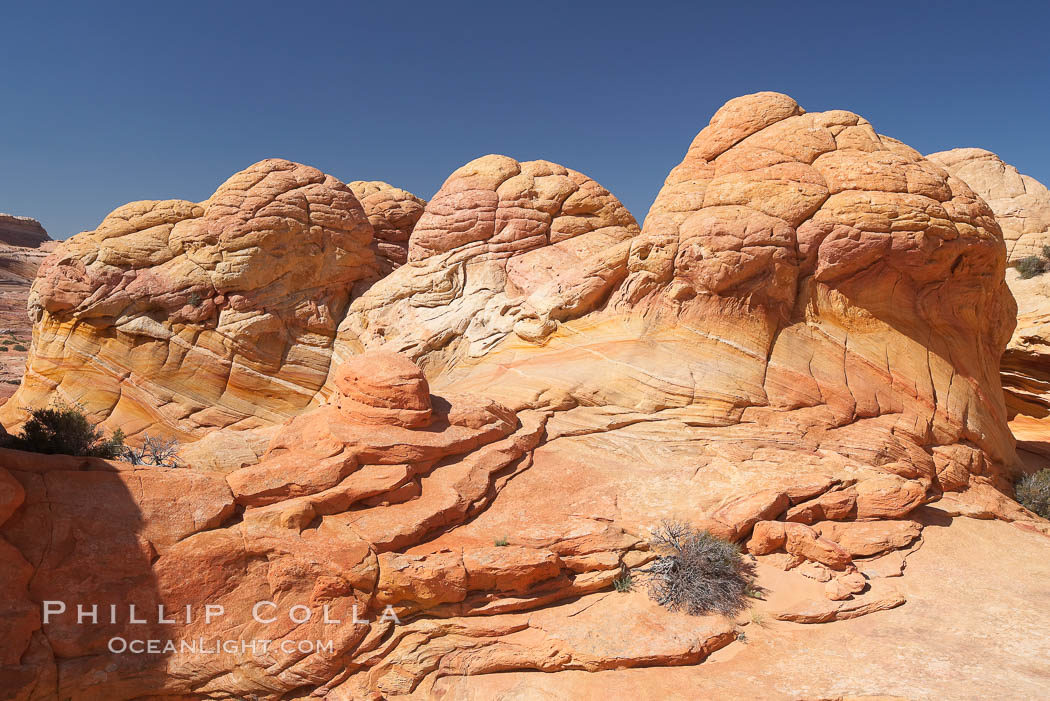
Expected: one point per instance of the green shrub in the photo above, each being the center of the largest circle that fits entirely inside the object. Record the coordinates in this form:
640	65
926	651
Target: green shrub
3	349
1033	492
501	542
1046	253
63	429
625	582
698	572
19	347
1030	267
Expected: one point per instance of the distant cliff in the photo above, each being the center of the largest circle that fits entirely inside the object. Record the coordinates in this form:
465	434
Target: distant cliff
25	232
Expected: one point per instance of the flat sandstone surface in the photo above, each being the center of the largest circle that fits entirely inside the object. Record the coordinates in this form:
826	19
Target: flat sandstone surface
971	629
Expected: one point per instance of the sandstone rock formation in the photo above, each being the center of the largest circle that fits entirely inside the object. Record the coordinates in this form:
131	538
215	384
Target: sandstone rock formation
23	246
1022	207
393	213
797	274
1026	362
1020	202
23	232
799	351
502	247
338	513
193	316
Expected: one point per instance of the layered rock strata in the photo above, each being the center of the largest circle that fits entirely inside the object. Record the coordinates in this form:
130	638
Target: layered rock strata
799	352
1022	207
190	317
23	246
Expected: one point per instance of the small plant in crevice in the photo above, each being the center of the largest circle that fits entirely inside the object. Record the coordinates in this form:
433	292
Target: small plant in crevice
64	429
625	582
698	572
1033	492
501	542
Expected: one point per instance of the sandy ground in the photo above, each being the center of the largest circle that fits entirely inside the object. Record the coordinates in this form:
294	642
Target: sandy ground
976	625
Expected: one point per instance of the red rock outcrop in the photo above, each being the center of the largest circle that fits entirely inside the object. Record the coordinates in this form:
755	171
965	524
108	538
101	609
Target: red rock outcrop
346	508
799	351
23	246
1020	202
1022	207
503	247
195	316
22	232
393	213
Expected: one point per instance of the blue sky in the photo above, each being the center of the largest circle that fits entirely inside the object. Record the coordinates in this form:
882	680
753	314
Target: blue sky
108	103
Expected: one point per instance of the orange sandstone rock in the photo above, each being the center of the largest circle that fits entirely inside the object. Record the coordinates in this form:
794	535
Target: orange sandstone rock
393	214
800	348
188	316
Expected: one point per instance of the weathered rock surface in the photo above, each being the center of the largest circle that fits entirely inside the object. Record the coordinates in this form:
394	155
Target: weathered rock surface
1022	208
393	213
968	595
195	316
22	232
23	246
798	351
503	248
344	509
1020	202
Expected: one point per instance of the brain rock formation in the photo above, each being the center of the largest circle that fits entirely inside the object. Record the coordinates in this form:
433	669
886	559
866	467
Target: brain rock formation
504	247
393	213
1022	206
798	350
189	315
1020	202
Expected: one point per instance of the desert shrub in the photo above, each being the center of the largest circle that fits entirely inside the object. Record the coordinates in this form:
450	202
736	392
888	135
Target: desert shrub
1030	267
3	348
1033	492
163	452
698	572
625	582
20	347
501	542
1046	253
63	429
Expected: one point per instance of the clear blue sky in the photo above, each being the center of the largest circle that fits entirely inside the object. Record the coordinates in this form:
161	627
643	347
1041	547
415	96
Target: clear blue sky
106	103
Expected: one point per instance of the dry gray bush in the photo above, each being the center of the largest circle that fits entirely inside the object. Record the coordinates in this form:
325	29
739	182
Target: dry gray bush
1033	492
155	450
698	572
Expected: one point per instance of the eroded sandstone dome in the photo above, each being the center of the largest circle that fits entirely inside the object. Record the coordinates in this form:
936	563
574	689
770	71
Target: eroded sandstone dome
502	247
194	316
798	351
794	264
1022	208
393	213
1020	202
